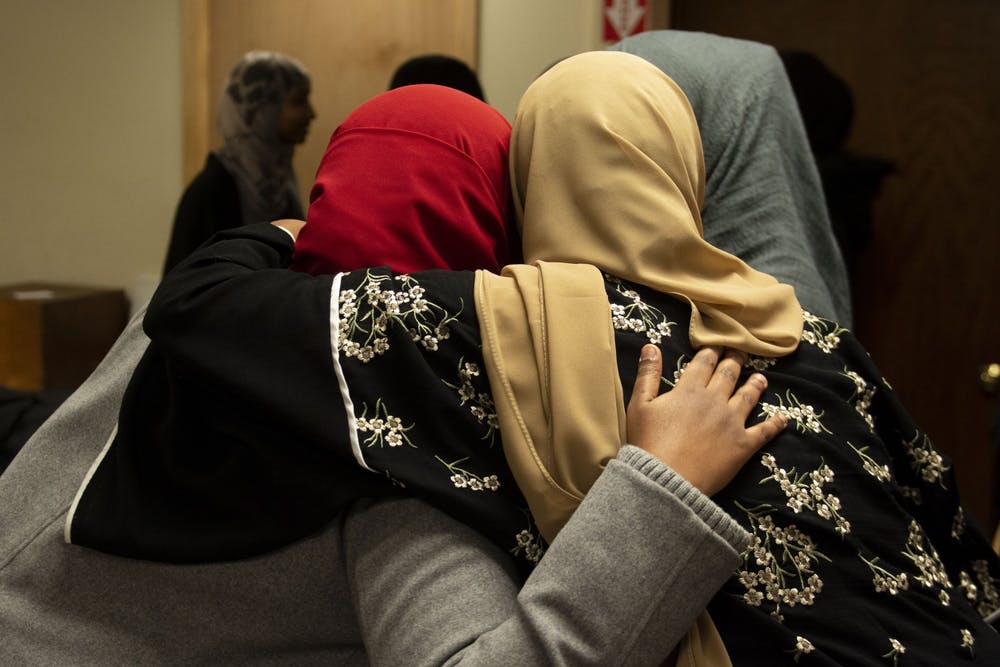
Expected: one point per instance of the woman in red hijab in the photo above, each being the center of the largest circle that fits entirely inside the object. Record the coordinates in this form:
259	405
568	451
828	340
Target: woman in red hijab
434	195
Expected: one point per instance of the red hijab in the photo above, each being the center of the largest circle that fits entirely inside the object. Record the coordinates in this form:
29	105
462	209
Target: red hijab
415	178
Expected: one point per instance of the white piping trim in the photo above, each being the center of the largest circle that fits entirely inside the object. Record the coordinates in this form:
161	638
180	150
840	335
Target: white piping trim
67	536
345	393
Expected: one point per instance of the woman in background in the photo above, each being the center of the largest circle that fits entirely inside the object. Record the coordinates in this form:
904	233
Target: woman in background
264	113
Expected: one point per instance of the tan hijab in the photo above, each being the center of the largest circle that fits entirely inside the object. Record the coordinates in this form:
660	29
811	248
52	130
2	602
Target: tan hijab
607	172
607	169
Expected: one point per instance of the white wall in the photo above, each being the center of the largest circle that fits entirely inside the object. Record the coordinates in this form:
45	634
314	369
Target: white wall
91	127
518	39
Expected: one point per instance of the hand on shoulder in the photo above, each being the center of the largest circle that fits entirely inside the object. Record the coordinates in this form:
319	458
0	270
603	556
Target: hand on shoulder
699	427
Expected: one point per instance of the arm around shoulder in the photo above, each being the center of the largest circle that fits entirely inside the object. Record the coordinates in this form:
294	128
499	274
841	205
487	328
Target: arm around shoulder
622	582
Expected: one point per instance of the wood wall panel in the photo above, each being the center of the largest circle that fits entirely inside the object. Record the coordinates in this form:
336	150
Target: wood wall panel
350	48
927	96
195	97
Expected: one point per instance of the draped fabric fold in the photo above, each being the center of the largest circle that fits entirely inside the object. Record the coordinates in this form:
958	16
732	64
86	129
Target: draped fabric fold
763	194
547	327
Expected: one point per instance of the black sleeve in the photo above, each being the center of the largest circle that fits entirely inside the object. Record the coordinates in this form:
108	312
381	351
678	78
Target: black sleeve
210	204
252	340
232	315
232	435
238	432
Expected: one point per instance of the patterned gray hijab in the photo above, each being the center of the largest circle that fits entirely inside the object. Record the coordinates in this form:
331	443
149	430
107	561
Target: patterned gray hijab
252	153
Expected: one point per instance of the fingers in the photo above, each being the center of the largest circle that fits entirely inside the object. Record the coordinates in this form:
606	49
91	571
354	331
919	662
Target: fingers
747	396
727	372
763	433
647	380
707	369
744	401
700	369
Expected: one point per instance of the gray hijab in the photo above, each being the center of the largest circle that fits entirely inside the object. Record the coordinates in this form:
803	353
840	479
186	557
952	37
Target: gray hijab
252	153
764	200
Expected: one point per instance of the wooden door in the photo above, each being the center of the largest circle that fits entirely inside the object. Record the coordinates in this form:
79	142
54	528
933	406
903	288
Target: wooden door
350	48
926	86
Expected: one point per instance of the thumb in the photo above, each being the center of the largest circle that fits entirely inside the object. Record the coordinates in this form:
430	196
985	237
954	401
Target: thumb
647	380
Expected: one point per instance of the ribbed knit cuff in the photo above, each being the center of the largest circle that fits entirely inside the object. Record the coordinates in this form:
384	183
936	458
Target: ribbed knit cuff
711	514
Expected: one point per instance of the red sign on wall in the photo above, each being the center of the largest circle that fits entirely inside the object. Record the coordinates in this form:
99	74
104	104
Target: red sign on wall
623	18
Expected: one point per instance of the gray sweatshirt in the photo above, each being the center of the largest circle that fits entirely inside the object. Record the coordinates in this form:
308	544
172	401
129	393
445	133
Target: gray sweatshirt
390	582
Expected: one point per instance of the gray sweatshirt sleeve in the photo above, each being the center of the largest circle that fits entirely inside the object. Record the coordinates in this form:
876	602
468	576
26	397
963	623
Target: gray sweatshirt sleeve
620	585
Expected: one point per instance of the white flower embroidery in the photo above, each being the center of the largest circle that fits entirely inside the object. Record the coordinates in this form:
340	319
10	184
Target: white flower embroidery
884	580
912	494
758	363
802	646
384	429
968	641
896	649
862	398
681	366
638	316
482	407
528	545
778	565
880	472
966	584
958	524
365	321
922	554
806	491
989	596
925	460
803	416
822	333
463	479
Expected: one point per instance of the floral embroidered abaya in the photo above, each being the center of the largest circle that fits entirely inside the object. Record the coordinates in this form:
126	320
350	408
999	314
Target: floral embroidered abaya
373	382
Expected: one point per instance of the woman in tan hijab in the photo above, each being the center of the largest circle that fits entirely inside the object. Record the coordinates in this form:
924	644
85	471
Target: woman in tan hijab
849	508
608	177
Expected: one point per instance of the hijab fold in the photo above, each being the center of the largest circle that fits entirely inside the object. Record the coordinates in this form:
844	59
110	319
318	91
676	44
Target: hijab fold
534	347
764	198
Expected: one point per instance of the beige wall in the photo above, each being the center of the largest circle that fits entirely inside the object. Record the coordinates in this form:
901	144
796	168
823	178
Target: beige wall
90	130
520	38
90	125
